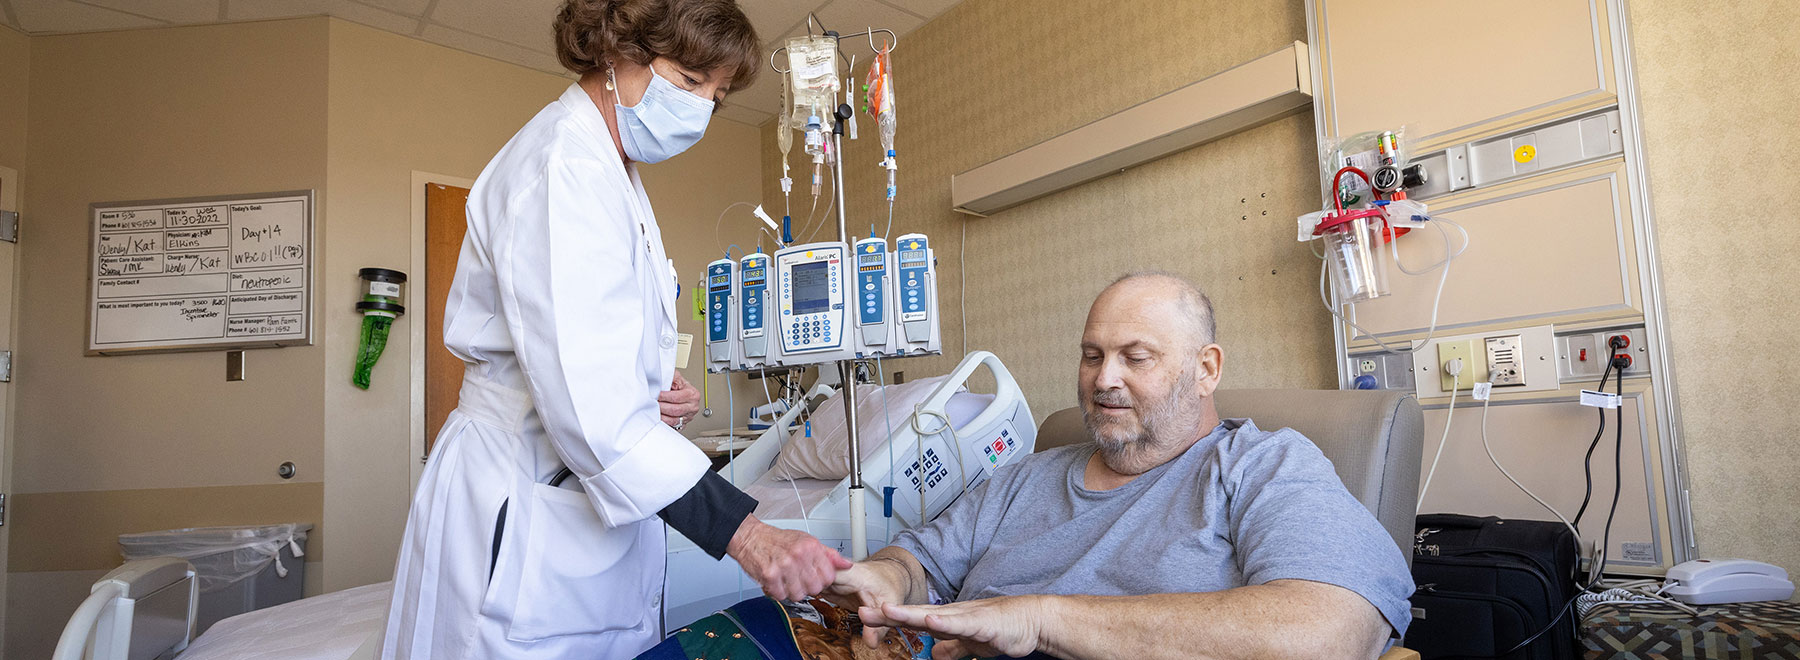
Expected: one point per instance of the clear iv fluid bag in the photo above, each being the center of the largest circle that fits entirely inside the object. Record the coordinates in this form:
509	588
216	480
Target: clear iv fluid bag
784	134
812	70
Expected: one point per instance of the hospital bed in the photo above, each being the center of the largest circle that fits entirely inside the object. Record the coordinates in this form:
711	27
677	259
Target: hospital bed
951	442
146	610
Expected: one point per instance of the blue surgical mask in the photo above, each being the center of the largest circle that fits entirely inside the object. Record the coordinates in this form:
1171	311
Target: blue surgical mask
665	122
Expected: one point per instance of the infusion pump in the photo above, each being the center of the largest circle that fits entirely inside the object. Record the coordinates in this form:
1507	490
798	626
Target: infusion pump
811	321
823	302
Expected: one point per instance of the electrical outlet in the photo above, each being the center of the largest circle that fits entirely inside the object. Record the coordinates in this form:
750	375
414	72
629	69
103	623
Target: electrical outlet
1483	355
1464	350
1583	356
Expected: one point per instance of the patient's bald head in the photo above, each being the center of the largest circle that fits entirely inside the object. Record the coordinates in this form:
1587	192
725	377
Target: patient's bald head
1149	365
1173	297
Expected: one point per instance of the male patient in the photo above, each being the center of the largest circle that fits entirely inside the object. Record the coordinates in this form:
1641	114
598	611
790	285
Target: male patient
1172	534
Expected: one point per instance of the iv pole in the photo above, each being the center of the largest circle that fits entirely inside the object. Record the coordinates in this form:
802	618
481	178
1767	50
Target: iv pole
859	533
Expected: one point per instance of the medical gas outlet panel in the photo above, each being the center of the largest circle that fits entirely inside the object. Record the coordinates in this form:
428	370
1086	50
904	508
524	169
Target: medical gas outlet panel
720	317
753	317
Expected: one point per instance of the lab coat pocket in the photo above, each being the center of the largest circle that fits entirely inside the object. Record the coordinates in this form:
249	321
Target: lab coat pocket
575	571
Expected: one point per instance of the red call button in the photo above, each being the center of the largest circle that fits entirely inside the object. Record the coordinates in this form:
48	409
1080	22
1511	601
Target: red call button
999	445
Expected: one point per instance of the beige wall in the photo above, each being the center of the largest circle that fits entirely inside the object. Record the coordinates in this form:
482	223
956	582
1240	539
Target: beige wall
1719	143
138	115
156	114
396	105
15	53
689	192
989	78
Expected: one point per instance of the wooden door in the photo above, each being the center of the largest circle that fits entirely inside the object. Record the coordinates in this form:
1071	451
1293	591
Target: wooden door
445	223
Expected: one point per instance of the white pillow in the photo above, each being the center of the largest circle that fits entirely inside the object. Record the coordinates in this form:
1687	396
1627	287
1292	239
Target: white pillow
825	455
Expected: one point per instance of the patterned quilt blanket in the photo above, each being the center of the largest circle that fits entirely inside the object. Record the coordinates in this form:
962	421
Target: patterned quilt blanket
1741	631
764	629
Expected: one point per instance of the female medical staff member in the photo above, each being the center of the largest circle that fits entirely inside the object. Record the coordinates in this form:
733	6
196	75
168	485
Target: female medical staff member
563	308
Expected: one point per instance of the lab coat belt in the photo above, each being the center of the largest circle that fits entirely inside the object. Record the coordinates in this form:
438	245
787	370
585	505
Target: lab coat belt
492	403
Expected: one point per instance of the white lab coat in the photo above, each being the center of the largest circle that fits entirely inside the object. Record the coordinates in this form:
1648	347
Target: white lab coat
564	309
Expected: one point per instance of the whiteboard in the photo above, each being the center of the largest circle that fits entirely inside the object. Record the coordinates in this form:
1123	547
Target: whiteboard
205	273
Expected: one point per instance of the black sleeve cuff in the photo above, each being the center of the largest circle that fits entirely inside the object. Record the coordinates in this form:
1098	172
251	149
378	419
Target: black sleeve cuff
709	513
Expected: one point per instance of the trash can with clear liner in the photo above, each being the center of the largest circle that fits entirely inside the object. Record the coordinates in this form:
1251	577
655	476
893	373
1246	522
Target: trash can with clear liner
239	569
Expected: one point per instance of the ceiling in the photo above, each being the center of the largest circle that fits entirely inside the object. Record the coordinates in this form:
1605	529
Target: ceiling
516	31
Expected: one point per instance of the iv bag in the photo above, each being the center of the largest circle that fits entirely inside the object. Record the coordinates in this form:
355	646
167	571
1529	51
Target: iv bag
812	70
880	98
784	134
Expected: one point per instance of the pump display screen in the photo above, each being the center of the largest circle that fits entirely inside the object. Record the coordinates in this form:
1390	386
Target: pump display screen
753	274
871	259
912	255
812	287
720	280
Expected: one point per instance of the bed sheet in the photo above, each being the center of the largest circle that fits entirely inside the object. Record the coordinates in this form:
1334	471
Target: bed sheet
326	627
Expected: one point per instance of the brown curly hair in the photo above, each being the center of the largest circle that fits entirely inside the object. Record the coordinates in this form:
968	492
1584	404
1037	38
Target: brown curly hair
700	34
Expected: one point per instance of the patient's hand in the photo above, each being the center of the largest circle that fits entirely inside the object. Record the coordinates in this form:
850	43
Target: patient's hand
867	586
988	627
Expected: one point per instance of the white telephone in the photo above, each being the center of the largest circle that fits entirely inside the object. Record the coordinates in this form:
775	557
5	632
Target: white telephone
1715	581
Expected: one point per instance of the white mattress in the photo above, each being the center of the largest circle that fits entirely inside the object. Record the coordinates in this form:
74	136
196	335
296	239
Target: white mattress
791	500
327	627
785	500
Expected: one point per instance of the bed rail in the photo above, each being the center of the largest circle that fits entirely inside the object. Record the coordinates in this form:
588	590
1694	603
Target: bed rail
140	611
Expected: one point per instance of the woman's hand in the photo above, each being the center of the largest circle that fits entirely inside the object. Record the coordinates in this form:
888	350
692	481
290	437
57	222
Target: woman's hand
788	564
679	403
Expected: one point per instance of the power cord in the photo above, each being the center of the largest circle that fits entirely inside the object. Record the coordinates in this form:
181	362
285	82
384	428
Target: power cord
1614	344
1454	368
1496	461
1620	362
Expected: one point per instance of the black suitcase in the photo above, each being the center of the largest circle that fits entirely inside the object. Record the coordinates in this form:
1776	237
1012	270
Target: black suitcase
1487	584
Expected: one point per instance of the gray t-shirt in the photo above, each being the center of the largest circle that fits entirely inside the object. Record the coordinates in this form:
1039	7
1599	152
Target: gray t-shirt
1243	506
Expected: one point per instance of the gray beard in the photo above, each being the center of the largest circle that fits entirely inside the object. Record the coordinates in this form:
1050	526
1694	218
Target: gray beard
1166	424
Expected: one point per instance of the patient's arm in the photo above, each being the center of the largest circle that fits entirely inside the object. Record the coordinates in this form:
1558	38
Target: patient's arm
1280	619
890	576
